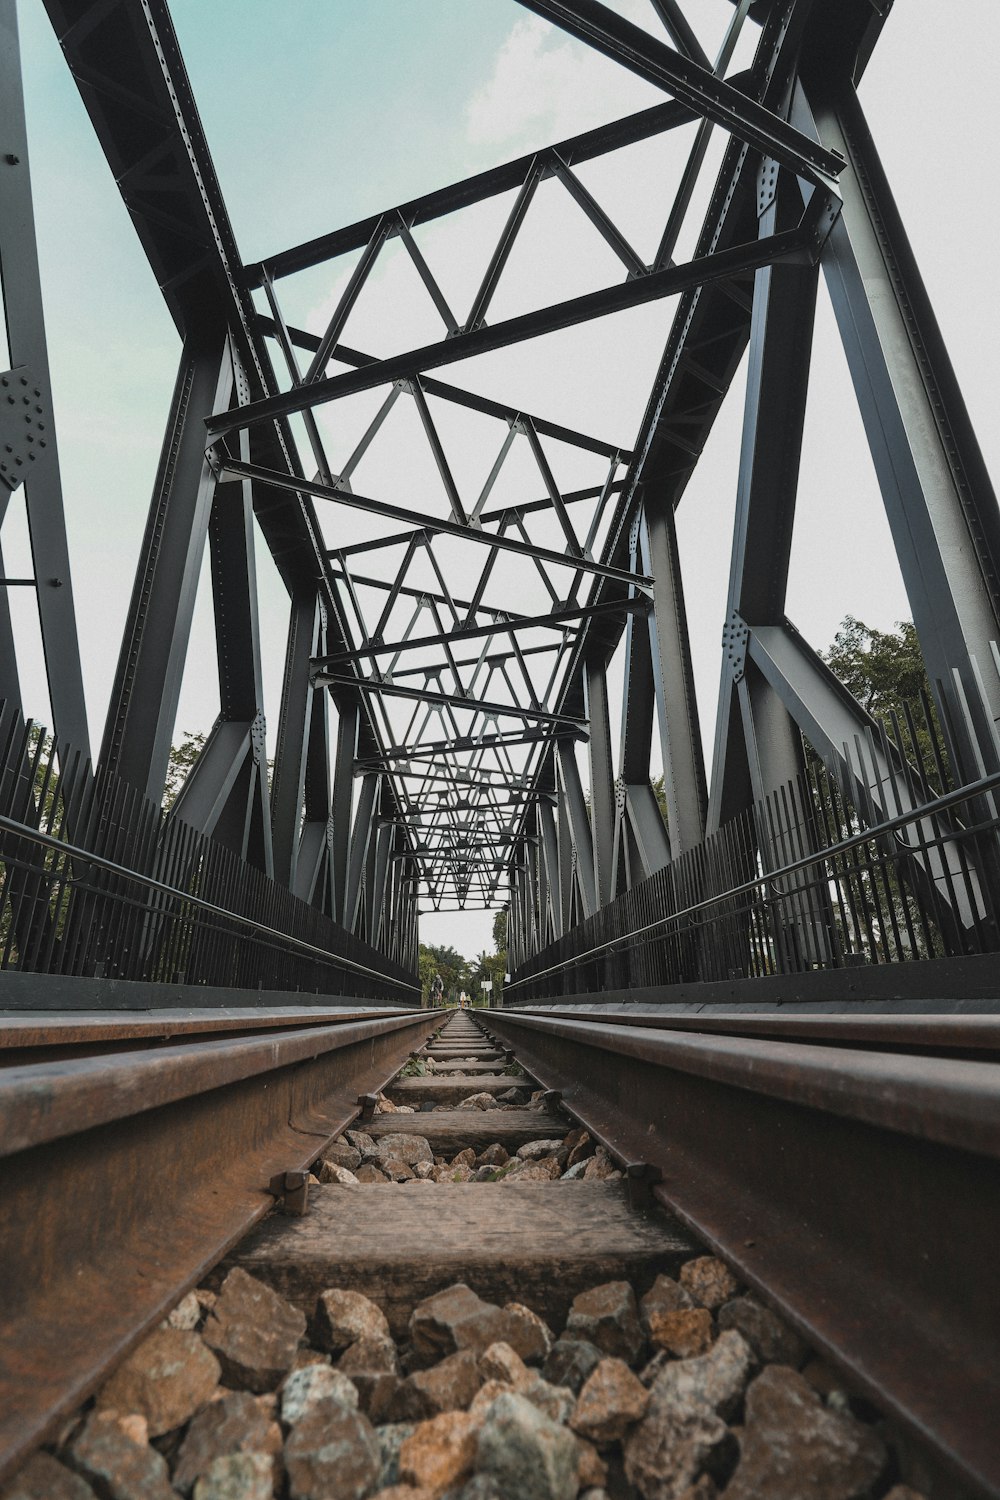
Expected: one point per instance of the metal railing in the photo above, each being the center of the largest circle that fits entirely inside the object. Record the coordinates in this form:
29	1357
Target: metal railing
95	879
885	862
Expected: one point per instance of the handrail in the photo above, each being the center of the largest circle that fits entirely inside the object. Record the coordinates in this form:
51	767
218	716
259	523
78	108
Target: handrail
890	825
24	830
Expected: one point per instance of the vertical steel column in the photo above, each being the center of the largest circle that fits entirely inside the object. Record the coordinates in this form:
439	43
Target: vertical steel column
313	877
550	854
237	639
10	683
602	779
938	497
349	718
360	838
27	391
378	924
297	704
641	838
764	751
532	928
673	681
565	841
520	909
578	825
143	707
367	926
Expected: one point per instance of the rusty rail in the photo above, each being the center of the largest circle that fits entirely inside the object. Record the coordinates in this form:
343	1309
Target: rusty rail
850	1172
128	1173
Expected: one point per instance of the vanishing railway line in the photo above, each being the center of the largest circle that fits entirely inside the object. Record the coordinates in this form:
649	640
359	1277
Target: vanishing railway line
845	1169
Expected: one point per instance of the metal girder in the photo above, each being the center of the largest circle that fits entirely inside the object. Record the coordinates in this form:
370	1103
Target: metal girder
348	723
450	700
297	706
602	788
511	175
755	751
645	837
361	833
641	843
939	502
127	64
578	827
454	394
157	630
420	521
842	734
680	30
693	84
554	620
461	742
27	427
717	266
313	879
673	681
771	218
217	783
708	336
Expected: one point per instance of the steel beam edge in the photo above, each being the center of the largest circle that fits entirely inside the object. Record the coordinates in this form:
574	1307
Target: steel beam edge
180	1167
854	1189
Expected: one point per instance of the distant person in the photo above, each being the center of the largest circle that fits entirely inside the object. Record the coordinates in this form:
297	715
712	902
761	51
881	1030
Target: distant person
437	990
463	1000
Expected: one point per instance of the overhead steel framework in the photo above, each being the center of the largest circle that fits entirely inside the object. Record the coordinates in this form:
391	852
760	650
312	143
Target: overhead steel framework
430	735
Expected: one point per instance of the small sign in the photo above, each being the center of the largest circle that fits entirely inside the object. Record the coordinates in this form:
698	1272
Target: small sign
486	984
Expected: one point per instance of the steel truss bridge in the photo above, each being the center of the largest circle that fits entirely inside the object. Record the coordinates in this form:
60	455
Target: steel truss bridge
773	993
437	748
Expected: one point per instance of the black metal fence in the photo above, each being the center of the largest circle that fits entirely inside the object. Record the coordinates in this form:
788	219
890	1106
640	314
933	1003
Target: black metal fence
885	861
95	879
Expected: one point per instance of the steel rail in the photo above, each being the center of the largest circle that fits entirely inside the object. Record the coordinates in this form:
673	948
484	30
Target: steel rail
270	934
857	1189
126	1177
897	1033
843	846
20	1030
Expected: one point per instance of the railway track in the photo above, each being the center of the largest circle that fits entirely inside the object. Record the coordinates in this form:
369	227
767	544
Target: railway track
843	1169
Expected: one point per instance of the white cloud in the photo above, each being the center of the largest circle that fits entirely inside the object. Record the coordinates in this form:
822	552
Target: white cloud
547	84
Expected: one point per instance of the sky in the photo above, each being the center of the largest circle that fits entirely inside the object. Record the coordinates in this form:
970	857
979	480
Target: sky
321	111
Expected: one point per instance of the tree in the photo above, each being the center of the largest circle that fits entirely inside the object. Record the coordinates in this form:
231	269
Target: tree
500	930
182	758
455	970
882	669
885	671
491	967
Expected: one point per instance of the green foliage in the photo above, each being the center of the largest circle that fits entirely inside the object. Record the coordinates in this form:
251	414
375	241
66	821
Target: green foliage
491	966
500	930
448	962
882	669
660	793
182	758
